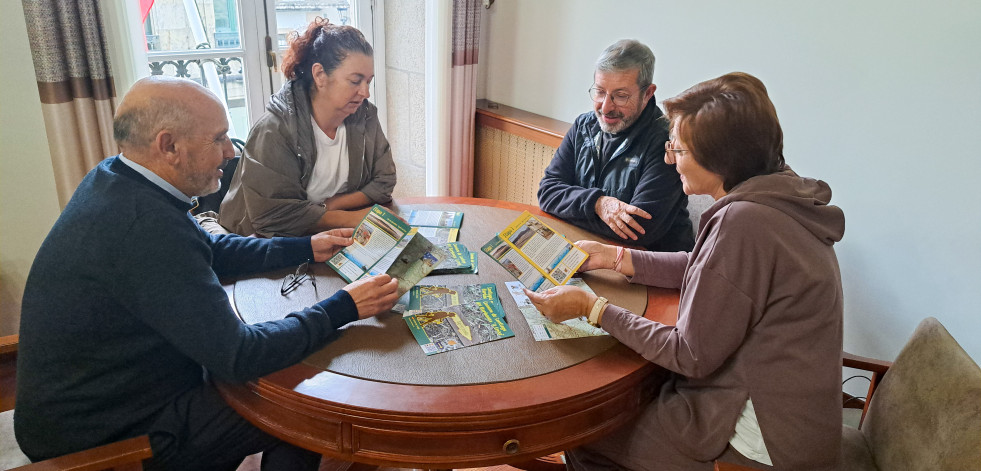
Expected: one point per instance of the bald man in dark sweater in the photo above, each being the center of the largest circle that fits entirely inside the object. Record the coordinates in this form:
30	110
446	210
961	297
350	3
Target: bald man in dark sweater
123	315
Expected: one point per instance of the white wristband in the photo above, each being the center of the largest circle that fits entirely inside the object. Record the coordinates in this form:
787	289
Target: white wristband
596	314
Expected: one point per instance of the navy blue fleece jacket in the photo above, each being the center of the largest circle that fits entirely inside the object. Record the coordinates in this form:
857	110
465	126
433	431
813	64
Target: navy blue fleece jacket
634	173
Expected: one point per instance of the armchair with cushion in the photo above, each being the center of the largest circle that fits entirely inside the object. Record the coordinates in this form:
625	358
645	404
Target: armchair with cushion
925	412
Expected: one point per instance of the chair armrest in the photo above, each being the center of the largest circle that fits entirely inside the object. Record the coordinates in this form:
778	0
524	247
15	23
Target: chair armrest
122	455
8	344
722	466
878	368
864	363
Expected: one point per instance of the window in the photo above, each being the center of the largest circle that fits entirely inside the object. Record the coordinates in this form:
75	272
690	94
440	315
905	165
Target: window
234	47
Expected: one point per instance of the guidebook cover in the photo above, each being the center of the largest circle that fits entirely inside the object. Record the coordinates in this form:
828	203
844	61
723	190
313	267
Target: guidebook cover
429	297
458	326
535	254
382	245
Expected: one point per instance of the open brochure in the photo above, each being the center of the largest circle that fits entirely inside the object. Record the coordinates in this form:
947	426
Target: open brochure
536	255
458	326
382	244
544	329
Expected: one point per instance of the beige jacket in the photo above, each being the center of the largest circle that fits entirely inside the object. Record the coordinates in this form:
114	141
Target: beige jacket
268	195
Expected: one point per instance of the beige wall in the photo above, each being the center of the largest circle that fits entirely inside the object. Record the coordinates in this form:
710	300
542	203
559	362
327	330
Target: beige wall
405	66
28	204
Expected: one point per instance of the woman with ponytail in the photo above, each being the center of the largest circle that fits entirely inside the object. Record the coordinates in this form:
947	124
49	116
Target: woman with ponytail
318	158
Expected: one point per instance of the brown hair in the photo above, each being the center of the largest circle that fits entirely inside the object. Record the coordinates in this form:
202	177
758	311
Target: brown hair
322	43
731	127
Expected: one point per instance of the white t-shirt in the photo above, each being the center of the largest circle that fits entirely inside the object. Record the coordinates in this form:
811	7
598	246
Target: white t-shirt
748	439
330	171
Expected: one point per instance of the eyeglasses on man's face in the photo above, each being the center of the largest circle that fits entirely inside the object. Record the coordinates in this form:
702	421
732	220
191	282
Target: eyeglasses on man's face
619	97
295	279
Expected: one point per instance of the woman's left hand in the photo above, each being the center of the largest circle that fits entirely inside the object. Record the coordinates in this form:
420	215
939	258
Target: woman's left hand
326	244
562	303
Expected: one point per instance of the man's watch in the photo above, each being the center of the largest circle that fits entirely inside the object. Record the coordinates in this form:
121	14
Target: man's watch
596	313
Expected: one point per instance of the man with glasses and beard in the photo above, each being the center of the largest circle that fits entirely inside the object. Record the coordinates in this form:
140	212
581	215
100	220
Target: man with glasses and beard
609	176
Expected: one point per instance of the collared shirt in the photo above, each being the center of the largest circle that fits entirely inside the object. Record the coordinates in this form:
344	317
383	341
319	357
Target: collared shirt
153	177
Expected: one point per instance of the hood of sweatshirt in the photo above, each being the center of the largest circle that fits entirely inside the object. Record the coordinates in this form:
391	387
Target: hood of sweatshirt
806	200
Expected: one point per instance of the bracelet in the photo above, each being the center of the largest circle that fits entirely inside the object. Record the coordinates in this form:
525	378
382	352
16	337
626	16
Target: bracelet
619	260
596	313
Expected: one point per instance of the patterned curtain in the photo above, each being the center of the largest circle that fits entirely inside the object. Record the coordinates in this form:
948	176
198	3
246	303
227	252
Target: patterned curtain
71	64
463	95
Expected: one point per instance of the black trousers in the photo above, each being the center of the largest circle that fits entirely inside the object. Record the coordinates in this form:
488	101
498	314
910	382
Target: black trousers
198	430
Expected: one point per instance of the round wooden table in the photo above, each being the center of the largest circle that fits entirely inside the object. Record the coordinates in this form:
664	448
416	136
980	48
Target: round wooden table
372	396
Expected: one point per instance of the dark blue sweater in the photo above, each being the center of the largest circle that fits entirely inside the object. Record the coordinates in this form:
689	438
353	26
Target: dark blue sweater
123	307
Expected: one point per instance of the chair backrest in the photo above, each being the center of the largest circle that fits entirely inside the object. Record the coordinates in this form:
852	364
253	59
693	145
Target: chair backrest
926	414
213	201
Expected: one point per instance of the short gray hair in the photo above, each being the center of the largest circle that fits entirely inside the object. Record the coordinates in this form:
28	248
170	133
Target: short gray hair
629	54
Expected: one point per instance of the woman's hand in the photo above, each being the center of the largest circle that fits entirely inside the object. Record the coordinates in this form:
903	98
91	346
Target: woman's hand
374	295
600	255
326	244
562	303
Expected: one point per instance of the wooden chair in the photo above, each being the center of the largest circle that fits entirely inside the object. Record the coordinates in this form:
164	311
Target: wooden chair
925	412
125	455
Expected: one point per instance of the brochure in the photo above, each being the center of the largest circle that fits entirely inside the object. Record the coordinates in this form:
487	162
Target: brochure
438	235
458	326
536	255
460	260
433	218
382	244
430	297
544	329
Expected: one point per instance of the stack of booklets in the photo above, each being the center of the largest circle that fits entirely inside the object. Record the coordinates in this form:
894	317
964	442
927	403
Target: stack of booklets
535	254
460	260
440	227
383	244
443	229
448	317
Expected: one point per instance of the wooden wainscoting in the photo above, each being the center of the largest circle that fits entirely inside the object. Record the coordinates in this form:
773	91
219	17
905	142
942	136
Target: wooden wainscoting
512	147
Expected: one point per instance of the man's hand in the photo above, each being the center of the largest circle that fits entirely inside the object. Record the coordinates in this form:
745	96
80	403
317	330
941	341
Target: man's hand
621	216
562	303
600	255
374	295
326	244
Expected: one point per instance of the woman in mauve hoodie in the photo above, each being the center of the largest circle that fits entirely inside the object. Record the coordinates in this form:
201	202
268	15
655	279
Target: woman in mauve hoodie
756	354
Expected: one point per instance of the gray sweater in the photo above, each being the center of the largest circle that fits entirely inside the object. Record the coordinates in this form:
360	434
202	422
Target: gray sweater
760	317
268	194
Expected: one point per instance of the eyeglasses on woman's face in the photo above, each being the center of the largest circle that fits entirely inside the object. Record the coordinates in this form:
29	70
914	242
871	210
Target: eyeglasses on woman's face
674	152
